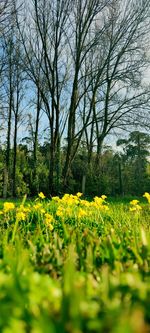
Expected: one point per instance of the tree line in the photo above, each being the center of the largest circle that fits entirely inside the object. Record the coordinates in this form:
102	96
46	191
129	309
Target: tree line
72	73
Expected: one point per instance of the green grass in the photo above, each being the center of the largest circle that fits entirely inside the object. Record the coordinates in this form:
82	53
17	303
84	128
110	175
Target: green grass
87	275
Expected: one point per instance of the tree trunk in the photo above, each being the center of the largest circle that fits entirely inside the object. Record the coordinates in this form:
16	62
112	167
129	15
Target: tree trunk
83	183
35	148
15	157
120	179
7	158
5	182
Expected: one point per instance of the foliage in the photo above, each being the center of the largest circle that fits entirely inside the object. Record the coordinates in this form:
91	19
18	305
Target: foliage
124	172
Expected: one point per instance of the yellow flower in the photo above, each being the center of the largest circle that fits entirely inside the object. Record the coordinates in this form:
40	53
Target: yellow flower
65	197
41	195
20	216
85	203
48	221
8	206
99	203
50	226
37	206
98	200
81	213
42	210
60	211
147	196
79	194
134	202
135	208
48	218
56	198
104	207
104	196
68	212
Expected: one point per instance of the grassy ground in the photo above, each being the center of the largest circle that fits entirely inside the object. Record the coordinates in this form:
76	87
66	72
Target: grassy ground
73	266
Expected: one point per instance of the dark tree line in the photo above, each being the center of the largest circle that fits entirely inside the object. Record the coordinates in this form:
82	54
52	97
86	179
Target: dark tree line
72	73
121	172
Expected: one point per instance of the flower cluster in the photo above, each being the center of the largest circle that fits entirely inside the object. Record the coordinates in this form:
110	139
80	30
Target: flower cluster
73	206
48	220
68	208
135	207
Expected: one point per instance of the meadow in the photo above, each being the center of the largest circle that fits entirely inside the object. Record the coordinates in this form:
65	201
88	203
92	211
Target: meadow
70	265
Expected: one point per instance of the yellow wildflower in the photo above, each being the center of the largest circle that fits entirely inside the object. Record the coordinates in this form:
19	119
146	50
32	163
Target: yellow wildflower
56	198
134	202
104	196
48	218
37	206
65	197
8	206
85	203
135	207
104	207
48	221
79	194
81	213
20	216
147	196
60	211
98	200
42	210
68	212
98	203
50	226
41	195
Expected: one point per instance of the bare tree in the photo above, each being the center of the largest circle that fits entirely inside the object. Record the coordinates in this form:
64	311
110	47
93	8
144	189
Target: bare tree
119	93
86	14
86	59
44	45
12	88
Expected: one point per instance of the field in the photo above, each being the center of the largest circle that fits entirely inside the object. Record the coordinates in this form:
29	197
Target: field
75	266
